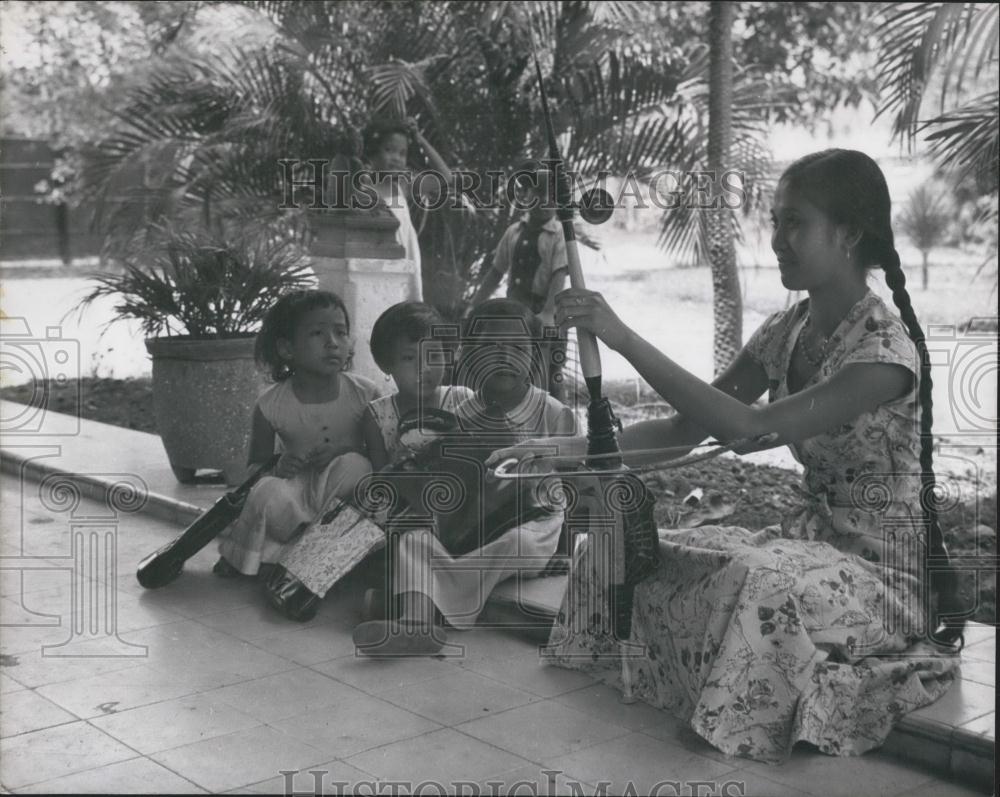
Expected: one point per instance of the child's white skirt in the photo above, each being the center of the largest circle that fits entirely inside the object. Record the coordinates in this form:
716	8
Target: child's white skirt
276	508
459	586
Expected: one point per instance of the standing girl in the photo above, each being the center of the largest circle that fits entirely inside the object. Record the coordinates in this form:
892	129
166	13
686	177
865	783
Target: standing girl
816	629
314	410
386	150
500	355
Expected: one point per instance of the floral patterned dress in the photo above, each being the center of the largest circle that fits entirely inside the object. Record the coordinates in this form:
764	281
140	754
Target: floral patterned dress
810	630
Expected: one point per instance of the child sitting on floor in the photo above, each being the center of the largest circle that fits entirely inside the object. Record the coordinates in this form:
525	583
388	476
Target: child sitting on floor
499	357
314	410
403	348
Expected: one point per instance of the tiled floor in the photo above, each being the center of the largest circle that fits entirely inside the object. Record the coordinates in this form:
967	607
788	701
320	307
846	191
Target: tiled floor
224	696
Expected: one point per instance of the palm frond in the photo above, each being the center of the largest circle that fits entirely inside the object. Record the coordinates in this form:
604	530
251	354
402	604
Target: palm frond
918	40
968	139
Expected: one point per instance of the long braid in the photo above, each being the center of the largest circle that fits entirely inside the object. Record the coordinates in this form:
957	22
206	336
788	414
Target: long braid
948	611
851	189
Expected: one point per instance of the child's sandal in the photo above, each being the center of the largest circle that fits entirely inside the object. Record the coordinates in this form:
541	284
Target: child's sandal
225	570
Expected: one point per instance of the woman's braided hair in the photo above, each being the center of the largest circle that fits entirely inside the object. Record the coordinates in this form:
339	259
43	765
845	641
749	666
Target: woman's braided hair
851	189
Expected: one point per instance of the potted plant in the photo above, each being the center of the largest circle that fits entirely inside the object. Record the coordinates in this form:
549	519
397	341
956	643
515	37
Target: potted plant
200	297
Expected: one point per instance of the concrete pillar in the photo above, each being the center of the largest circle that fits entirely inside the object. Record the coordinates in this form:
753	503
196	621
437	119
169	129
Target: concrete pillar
355	254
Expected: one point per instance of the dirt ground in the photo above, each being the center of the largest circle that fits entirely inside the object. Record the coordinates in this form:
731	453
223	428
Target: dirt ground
724	490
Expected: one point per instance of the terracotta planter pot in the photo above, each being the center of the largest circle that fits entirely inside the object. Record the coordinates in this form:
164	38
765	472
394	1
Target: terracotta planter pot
203	397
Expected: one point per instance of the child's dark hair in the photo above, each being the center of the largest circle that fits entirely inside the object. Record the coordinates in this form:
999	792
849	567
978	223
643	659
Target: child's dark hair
409	321
378	131
524	325
280	323
502	308
851	189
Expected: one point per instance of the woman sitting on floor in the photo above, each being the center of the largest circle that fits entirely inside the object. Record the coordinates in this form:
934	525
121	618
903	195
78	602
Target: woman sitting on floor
817	629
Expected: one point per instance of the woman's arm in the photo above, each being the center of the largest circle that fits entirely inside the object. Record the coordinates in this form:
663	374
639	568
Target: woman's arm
744	379
855	389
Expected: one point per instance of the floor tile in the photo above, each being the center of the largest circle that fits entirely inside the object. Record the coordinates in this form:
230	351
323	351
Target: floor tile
458	698
55	752
8	684
985	650
964	701
34	669
986	725
212	657
636	763
979	632
813	772
540	731
982	672
285	694
256	621
335	777
239	759
23	582
309	645
437	757
605	702
527	672
26	630
24	711
355	725
680	734
200	593
376	676
480	643
113	692
753	784
135	613
941	788
530	780
136	776
173	723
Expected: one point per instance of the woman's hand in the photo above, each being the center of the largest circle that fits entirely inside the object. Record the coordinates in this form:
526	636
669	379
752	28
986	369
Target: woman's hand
588	310
289	465
536	453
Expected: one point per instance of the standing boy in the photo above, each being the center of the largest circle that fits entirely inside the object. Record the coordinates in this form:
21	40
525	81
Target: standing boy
533	253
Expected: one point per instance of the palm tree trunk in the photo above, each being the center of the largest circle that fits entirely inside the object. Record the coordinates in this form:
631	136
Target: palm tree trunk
924	270
727	300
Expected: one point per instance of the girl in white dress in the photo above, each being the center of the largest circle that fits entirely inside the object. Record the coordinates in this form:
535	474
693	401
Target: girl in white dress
314	409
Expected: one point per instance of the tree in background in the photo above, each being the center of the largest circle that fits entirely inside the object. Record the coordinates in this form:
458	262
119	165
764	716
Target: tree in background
201	136
727	300
938	77
197	122
925	220
64	66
